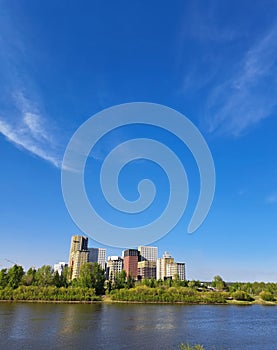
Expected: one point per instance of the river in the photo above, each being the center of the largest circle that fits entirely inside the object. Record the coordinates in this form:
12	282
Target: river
136	326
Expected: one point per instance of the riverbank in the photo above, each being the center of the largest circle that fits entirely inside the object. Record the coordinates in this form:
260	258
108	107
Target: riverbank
258	301
137	295
106	299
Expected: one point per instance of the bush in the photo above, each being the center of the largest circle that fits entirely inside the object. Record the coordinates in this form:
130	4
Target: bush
189	347
49	293
267	296
241	296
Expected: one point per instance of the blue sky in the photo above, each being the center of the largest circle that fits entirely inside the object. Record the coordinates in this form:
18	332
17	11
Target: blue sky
213	61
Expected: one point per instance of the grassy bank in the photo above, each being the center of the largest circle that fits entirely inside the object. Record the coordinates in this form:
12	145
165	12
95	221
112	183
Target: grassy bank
138	294
168	295
186	295
50	294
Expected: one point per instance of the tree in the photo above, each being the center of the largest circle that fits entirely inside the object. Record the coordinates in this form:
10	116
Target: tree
64	278
218	283
130	283
120	280
14	276
3	278
44	276
99	279
92	276
30	277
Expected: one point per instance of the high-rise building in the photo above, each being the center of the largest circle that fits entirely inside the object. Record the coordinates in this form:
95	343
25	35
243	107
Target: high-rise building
162	269
148	253
181	272
167	268
78	255
146	269
59	267
79	259
131	262
114	266
97	255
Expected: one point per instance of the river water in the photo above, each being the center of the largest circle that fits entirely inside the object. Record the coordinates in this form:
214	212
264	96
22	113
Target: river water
136	326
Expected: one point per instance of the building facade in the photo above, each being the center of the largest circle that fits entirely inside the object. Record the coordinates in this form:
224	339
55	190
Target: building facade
146	269
114	266
181	271
163	269
148	253
130	263
78	255
97	255
80	258
168	268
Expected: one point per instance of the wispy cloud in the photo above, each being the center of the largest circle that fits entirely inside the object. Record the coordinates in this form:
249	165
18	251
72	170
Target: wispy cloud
249	96
28	131
23	120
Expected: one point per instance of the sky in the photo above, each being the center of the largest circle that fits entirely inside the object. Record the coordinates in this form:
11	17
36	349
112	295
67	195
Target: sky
213	61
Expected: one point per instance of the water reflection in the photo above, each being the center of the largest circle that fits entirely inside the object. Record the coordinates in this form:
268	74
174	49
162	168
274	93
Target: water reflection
130	326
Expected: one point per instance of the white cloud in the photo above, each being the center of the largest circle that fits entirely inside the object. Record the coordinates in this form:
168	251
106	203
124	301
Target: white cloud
28	133
250	95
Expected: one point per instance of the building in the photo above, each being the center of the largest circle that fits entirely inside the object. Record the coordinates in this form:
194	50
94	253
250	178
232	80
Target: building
97	255
146	269
78	255
162	269
59	267
130	263
80	258
167	268
181	272
114	266
148	253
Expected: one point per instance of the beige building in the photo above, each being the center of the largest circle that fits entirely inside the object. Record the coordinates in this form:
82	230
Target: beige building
162	266
146	269
114	266
79	258
78	255
168	268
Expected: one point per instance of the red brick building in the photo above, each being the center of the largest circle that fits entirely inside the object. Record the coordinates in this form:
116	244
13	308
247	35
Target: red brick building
130	264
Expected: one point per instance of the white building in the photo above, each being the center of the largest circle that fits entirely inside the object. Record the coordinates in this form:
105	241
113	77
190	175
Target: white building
148	253
168	268
59	267
97	255
114	266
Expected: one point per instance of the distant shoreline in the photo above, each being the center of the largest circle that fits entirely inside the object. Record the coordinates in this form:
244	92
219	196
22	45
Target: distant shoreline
106	300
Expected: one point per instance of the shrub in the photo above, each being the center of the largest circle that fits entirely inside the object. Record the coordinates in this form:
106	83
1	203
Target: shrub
189	347
266	296
242	296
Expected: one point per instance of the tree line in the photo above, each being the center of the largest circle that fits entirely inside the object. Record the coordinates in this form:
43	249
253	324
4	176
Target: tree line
45	284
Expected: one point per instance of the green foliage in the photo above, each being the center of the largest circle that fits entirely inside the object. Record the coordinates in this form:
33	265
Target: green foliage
190	347
29	277
92	276
3	278
241	296
44	276
194	284
14	276
218	283
119	280
130	283
166	294
267	296
49	293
